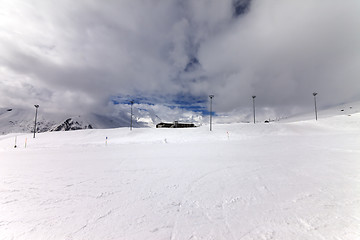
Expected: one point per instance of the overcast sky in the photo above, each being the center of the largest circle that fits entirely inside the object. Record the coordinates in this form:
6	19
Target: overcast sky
81	55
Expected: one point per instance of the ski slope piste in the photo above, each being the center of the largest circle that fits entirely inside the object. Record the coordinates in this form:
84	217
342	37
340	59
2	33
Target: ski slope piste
283	180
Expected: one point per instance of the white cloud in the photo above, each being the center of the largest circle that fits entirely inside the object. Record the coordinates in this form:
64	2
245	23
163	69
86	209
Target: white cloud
284	50
75	55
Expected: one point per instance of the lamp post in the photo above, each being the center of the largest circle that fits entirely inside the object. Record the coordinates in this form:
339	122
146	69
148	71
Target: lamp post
314	94
131	103
253	97
36	110
211	97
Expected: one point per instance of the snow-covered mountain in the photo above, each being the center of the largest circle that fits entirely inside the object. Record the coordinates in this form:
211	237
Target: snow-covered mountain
339	109
17	120
22	120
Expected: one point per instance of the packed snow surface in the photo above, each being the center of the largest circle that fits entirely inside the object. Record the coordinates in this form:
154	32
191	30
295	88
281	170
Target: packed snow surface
297	180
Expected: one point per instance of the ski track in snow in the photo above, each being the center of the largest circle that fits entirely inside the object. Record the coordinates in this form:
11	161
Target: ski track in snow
278	181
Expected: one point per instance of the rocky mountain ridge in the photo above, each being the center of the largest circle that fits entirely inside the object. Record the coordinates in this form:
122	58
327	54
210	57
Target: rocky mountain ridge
17	120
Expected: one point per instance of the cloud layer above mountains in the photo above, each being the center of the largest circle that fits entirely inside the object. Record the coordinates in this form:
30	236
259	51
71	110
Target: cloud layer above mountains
79	55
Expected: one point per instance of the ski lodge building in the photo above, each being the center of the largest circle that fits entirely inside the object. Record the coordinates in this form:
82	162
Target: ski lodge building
175	124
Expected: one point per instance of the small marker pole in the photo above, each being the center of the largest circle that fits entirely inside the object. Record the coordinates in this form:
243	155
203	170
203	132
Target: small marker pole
15	141
25	142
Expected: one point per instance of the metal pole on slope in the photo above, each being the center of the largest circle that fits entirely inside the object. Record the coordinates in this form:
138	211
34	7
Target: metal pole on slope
253	97
314	94
211	97
36	110
131	103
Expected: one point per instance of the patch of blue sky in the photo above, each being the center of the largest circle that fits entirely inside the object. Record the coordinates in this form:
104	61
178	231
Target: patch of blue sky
182	101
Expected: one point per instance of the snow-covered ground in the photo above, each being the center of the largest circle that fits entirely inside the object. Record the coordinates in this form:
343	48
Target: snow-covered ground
295	180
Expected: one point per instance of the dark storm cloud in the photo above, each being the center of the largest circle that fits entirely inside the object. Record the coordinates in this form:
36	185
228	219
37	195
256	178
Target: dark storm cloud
282	51
80	54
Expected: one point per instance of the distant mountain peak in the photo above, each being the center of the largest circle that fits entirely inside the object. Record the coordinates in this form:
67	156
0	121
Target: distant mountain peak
71	124
21	120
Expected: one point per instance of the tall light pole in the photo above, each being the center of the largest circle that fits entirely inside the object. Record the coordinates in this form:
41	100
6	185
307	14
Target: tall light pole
253	97
131	103
211	97
36	109
314	94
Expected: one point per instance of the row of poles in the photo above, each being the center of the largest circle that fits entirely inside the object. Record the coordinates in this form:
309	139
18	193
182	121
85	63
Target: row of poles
253	97
210	96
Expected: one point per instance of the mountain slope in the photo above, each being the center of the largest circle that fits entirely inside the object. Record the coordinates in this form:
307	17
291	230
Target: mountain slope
17	120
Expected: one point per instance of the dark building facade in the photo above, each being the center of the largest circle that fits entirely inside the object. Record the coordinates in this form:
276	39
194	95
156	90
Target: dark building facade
175	124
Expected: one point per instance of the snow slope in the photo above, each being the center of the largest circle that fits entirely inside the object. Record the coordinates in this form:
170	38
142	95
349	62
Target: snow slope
297	180
340	109
15	120
19	120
